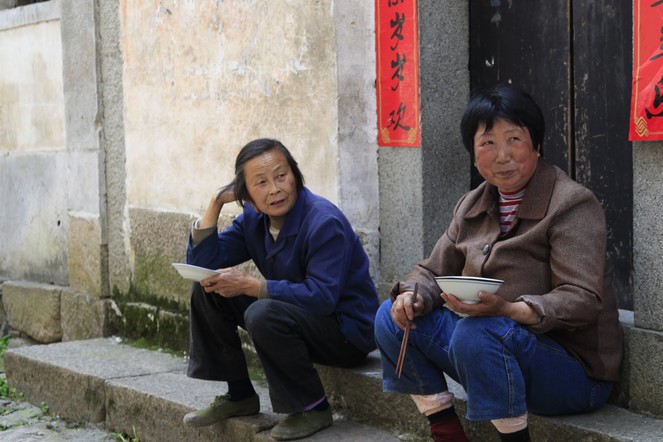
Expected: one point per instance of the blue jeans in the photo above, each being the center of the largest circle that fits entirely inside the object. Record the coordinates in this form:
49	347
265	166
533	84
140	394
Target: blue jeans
505	369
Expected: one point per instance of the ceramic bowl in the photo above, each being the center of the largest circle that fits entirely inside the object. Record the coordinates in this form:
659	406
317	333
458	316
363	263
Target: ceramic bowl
466	288
194	273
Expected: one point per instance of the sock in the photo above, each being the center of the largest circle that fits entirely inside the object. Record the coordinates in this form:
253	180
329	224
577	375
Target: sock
240	389
441	416
518	436
446	427
319	405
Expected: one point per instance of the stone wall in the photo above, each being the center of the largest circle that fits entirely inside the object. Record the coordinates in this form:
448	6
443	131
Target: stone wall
109	155
33	163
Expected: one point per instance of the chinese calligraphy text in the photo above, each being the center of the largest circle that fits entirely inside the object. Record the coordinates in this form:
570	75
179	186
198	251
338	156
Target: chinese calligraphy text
397	46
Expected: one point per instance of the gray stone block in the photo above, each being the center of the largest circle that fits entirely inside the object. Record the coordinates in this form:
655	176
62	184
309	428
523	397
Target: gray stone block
84	317
647	235
87	259
33	309
646	371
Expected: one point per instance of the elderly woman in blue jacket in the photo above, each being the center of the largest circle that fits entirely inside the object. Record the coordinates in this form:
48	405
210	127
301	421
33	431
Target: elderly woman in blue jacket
315	302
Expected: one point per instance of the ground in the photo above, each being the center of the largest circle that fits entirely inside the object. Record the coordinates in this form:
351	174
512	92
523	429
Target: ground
24	422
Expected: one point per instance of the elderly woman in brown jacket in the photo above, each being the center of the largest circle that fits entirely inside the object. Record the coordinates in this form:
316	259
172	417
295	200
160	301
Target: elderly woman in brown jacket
549	340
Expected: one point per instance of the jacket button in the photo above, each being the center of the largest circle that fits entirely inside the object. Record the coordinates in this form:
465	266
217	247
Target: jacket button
486	249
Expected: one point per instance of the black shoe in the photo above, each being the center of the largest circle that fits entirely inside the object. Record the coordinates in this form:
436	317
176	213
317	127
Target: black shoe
223	408
300	425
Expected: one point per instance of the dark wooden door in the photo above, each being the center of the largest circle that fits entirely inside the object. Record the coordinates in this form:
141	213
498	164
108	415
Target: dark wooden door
574	57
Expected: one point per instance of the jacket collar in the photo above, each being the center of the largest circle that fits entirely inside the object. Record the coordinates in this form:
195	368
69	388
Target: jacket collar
536	200
294	218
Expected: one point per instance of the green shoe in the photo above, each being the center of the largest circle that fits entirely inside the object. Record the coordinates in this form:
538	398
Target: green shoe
222	408
300	425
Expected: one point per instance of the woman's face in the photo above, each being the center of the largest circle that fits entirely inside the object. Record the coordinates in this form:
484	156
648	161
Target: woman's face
504	155
271	185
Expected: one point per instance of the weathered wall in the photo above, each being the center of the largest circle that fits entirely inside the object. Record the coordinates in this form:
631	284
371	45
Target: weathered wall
33	164
158	98
202	78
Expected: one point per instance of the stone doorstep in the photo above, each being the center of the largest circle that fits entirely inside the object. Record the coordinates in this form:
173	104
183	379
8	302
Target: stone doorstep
359	391
101	380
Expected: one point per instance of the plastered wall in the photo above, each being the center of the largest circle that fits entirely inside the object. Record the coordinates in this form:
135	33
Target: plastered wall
202	78
33	166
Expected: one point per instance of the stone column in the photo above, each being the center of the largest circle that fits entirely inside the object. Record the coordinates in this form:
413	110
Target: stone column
85	305
357	131
645	339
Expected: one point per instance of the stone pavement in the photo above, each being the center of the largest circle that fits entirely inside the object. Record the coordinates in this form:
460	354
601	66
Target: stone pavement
23	422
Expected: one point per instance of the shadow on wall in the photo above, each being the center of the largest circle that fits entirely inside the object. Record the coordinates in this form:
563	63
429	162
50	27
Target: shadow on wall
9	4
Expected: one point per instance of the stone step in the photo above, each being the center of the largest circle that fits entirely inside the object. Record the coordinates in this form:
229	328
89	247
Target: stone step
146	393
358	392
142	393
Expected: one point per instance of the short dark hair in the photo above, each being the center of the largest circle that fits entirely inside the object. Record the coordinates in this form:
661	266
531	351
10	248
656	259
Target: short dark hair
506	102
254	149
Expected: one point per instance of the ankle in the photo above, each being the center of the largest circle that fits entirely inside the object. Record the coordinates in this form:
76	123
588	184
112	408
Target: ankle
446	427
240	389
442	415
322	406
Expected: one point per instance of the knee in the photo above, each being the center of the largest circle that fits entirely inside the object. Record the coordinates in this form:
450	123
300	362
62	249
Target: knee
257	316
199	299
384	325
471	337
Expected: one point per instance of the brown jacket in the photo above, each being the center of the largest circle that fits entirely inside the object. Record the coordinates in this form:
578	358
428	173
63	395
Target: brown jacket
553	258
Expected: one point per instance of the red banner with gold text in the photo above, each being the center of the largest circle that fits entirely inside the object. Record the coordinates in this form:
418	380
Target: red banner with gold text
646	122
397	64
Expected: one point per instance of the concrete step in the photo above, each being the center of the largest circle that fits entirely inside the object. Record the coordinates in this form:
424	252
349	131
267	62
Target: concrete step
147	392
142	393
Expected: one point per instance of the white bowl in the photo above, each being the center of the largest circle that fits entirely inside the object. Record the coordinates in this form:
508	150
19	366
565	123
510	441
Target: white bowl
466	288
194	273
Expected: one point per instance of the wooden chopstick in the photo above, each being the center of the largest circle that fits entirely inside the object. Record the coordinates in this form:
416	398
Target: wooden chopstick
406	336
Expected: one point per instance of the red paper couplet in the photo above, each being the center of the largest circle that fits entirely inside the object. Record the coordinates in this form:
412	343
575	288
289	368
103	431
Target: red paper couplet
397	64
646	122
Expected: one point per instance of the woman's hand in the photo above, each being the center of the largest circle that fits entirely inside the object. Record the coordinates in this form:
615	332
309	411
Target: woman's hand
490	305
225	195
230	283
211	216
494	305
405	309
